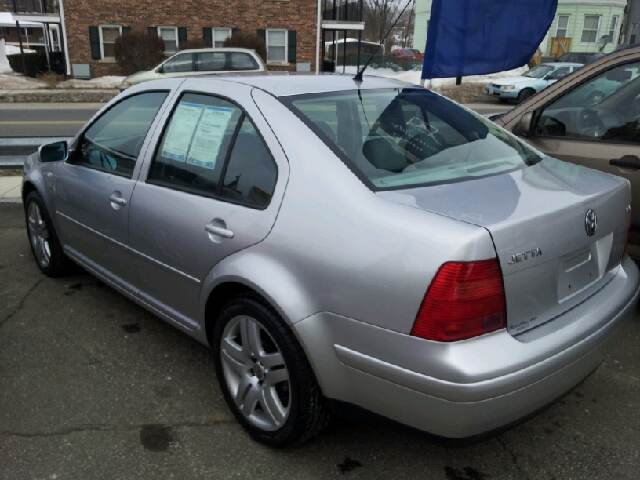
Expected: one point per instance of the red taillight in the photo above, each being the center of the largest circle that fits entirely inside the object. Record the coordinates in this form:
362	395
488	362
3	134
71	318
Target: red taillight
464	300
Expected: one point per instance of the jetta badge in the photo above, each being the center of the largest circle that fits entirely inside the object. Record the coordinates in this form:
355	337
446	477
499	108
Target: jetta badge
591	222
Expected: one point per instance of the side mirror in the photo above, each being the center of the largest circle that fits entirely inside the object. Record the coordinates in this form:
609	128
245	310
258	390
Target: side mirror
526	124
54	152
160	69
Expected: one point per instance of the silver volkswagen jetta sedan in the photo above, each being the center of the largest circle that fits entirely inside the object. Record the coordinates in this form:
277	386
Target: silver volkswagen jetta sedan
364	242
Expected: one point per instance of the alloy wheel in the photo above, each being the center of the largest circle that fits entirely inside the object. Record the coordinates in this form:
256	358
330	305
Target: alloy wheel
39	235
255	373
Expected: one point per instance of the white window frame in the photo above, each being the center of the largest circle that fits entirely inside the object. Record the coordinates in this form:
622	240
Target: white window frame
219	29
286	46
566	29
612	32
100	27
584	21
175	29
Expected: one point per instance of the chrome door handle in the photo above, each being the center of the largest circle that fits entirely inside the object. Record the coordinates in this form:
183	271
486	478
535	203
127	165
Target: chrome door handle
117	199
220	231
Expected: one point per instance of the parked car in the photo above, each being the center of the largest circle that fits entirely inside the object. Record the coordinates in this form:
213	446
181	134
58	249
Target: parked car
528	84
579	57
366	243
412	53
205	61
590	118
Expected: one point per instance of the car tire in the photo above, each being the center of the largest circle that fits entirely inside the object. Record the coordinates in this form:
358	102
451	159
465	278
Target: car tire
525	94
44	242
265	376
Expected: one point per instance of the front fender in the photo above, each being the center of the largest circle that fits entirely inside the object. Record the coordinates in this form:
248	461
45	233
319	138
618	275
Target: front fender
266	276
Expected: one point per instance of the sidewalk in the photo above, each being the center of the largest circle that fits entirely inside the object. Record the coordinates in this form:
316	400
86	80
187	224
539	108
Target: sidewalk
10	189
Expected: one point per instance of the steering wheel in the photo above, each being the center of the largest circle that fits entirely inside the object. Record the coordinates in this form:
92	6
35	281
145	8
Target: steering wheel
589	124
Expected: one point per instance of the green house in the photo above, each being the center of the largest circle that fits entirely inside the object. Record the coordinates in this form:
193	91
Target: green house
590	25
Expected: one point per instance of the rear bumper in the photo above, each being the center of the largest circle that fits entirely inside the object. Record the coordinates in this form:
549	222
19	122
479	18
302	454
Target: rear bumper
467	388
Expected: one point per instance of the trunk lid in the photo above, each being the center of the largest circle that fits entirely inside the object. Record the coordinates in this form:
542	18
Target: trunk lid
537	218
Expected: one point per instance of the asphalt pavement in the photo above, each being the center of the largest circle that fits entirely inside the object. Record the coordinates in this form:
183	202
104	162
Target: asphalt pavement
65	119
94	387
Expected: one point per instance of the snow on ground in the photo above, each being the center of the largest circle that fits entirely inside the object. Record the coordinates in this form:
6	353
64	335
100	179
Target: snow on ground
13	50
413	76
13	81
105	83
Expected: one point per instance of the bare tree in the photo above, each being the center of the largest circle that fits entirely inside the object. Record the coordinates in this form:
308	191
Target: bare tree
380	15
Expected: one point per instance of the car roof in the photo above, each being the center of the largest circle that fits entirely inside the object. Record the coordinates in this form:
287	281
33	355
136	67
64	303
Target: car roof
563	64
283	84
218	49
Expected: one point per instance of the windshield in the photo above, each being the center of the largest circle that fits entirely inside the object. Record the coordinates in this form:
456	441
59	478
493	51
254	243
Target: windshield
539	71
410	51
401	138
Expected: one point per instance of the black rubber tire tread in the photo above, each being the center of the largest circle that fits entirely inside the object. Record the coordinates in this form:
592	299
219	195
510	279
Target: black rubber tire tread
525	94
309	414
59	264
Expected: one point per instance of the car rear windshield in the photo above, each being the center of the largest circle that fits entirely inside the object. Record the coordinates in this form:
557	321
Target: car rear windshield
408	137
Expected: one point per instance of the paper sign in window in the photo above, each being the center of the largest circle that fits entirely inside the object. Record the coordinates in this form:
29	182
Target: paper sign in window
208	136
184	122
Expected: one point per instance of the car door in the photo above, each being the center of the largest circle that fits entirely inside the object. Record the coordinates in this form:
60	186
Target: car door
604	135
210	191
93	187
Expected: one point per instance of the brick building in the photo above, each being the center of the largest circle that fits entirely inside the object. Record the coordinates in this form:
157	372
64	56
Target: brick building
288	27
90	27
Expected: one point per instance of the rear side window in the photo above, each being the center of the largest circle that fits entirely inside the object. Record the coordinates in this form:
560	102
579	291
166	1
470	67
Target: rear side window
401	138
211	61
242	61
208	139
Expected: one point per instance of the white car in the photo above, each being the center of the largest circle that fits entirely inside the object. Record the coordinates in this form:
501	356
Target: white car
203	61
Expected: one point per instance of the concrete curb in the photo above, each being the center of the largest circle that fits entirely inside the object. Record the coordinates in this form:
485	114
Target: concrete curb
57	96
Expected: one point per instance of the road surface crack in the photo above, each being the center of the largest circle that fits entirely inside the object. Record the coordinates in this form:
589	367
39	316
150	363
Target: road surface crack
22	301
514	458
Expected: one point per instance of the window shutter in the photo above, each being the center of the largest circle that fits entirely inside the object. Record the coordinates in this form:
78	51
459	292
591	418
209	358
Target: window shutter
153	31
126	30
235	31
262	34
207	34
94	39
292	46
182	34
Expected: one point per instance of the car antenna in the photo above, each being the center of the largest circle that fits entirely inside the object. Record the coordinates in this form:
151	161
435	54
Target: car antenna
358	77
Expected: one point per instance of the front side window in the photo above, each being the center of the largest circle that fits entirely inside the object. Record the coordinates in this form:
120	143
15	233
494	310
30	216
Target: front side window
559	73
539	72
169	36
220	35
209	139
563	25
277	46
635	30
108	35
182	62
590	29
403	138
604	108
114	141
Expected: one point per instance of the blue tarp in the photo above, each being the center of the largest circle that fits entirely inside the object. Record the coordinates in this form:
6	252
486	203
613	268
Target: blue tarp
476	37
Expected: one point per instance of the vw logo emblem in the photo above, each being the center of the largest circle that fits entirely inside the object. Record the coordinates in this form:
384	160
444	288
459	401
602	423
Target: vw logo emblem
591	222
